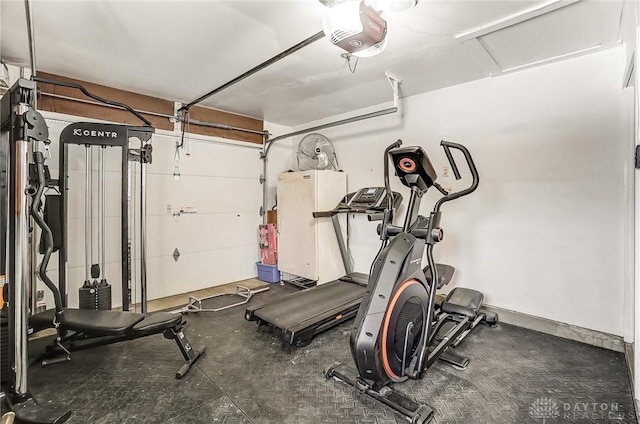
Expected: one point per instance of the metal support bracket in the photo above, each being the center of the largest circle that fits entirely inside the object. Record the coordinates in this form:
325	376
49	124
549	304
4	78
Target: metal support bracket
395	86
143	155
146	154
25	127
35	127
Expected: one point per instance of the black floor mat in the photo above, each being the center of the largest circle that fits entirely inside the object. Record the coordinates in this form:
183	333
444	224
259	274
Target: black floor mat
130	382
249	375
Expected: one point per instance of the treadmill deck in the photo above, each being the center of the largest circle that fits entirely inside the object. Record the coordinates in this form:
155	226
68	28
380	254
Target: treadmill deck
302	315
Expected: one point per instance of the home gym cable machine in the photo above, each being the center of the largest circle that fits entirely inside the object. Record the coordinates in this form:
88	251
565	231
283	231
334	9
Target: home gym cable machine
93	292
23	128
79	329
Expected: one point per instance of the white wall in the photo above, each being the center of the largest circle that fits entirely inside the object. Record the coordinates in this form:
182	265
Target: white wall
544	233
279	160
218	244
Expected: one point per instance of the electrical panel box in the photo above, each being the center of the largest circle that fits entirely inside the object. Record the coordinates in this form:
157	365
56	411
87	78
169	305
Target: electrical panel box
307	247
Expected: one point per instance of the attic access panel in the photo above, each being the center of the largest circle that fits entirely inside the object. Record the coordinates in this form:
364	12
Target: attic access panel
564	31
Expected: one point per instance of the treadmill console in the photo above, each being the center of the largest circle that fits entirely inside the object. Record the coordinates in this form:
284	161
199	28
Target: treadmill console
368	198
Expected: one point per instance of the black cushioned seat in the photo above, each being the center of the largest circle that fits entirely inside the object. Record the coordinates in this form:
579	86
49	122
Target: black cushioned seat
94	323
156	323
463	301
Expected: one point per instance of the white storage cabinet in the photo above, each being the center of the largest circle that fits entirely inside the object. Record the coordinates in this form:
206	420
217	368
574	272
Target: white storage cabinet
307	247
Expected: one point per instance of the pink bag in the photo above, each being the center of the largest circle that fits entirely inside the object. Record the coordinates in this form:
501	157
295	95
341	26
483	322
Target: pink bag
268	244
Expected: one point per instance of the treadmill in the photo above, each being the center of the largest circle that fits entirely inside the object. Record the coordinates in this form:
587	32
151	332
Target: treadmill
301	315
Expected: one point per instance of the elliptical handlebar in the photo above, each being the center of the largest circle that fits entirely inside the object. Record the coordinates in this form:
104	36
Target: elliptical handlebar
387	216
387	184
447	146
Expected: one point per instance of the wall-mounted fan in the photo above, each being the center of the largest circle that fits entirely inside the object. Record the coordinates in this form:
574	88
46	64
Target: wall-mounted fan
315	151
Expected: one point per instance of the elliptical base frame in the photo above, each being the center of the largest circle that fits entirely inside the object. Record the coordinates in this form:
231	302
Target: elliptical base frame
416	413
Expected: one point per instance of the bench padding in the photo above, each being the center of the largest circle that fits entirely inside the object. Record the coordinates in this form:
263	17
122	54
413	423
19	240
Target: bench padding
91	322
156	323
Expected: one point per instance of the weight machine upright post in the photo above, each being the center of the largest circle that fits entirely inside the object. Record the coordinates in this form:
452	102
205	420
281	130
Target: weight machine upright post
87	216
143	229
101	211
125	230
63	183
20	266
17	264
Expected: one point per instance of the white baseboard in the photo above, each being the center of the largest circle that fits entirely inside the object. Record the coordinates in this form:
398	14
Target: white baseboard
628	353
566	331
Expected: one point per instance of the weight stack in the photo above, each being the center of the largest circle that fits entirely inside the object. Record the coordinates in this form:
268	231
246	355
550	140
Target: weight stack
4	350
104	296
95	296
88	296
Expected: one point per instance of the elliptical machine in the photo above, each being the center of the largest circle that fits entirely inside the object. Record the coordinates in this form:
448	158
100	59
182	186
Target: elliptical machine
400	329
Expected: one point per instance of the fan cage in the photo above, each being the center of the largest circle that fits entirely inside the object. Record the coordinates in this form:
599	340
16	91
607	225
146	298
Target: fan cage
310	143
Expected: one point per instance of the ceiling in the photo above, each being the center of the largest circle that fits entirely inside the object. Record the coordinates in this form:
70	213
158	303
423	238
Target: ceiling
179	50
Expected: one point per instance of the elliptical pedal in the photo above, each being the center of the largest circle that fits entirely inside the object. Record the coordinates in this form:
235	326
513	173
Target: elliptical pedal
463	301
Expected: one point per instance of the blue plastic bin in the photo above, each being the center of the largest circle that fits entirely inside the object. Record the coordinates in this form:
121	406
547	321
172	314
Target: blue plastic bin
268	273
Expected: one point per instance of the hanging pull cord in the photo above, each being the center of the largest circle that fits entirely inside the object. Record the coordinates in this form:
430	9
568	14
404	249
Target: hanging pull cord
47	150
176	162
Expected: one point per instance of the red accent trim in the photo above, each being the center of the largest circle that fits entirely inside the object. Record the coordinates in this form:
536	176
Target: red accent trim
385	327
410	167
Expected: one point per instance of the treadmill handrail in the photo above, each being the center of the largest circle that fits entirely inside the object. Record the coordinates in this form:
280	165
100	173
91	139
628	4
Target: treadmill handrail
325	214
375	216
